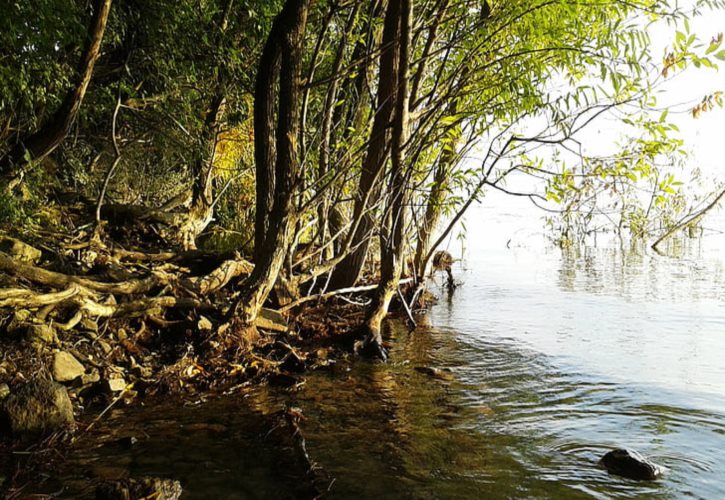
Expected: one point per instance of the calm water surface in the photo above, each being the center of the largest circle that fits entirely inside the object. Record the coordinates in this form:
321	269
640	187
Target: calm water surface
554	357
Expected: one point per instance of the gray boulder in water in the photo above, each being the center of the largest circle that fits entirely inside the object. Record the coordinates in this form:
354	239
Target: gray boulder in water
629	463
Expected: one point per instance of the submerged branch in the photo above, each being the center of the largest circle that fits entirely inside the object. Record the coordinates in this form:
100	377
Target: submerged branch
689	219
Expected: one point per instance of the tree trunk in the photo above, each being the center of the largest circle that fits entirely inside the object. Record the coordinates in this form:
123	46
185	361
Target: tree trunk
35	147
288	34
434	206
327	123
265	99
394	226
368	192
201	211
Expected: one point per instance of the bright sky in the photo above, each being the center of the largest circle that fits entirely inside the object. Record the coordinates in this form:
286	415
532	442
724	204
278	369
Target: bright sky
704	136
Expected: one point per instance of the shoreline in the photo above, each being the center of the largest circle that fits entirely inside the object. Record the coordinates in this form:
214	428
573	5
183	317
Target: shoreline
185	354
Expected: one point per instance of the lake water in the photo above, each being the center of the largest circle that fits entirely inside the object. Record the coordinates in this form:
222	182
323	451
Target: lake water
554	357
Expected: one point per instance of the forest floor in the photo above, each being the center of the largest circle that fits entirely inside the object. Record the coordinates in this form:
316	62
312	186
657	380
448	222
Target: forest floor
116	316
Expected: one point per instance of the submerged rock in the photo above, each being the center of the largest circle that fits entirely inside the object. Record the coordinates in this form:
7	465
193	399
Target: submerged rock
440	373
38	407
132	489
629	463
66	367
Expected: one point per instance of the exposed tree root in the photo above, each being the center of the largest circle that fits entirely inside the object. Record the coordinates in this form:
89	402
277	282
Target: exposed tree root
220	277
59	280
371	345
20	297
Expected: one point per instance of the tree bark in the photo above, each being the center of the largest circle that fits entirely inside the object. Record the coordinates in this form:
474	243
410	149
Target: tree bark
288	34
327	123
201	211
434	205
35	147
265	100
394	226
368	193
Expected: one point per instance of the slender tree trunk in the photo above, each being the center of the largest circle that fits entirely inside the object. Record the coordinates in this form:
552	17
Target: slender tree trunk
35	147
265	100
327	122
434	206
368	192
394	226
288	34
201	211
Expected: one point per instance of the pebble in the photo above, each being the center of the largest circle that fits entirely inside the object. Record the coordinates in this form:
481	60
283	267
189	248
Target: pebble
66	367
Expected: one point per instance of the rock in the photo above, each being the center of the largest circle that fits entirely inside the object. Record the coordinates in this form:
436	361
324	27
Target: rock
132	489
4	391
66	367
40	334
629	463
115	384
90	378
39	407
19	250
440	373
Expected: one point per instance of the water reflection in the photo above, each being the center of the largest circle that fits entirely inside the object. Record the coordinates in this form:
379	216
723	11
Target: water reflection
554	357
506	422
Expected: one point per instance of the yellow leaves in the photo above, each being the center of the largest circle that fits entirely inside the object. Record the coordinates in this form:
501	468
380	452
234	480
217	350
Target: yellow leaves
708	103
234	146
